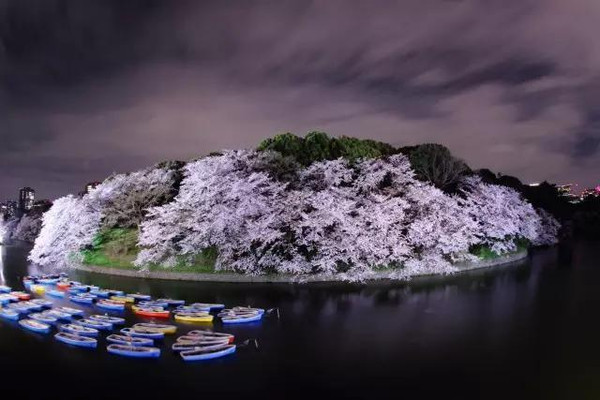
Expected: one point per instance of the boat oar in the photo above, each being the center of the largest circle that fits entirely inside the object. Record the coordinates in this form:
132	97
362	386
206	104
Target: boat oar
247	342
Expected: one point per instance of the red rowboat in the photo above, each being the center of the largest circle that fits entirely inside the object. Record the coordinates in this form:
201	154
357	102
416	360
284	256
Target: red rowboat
152	312
21	295
63	286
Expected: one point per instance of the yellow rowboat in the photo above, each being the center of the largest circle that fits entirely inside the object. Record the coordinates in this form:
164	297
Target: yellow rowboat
38	289
164	328
122	299
193	317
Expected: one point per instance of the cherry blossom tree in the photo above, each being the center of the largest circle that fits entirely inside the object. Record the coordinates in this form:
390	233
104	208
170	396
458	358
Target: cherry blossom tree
28	228
125	198
67	227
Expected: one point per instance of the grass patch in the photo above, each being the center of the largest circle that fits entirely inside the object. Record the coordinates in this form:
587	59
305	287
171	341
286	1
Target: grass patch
117	248
485	252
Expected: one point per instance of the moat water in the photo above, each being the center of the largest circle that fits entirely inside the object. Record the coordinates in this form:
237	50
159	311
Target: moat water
529	329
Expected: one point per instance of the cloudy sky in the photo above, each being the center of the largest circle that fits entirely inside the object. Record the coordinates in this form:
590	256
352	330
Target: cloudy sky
88	88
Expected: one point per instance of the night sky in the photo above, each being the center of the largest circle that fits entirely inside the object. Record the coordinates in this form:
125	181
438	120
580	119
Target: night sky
88	88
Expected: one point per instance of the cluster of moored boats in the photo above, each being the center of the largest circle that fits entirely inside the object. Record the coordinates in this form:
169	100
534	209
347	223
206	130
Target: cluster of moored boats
76	328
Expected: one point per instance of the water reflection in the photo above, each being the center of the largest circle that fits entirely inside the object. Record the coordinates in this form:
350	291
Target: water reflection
522	329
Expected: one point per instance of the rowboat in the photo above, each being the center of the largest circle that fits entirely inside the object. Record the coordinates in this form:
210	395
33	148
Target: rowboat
79	330
164	328
243	310
107	318
207	306
38	289
139	296
110	305
81	299
129	340
193	317
21	295
204	346
63	285
9	314
42	302
133	351
122	299
5	289
105	294
76	340
172	302
143	333
153	304
90	323
200	354
6	298
114	292
48	281
157	312
191	341
75	290
211	335
241	318
69	310
31	306
35	326
43	317
19	307
60	315
56	293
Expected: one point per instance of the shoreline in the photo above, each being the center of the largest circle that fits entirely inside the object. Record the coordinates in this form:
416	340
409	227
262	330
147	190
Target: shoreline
240	278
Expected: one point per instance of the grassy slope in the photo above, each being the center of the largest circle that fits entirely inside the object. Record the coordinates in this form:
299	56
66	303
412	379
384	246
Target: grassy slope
116	248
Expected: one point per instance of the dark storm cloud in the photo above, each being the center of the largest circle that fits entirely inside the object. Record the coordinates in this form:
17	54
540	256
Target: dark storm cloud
507	85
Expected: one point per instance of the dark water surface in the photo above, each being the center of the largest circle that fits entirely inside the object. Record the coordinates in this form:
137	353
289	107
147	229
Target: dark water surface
529	330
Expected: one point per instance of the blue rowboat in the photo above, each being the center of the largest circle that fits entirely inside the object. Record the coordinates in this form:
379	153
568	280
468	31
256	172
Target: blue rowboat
5	289
129	340
81	299
31	306
172	302
55	293
9	314
43	317
100	293
110	305
113	292
107	318
207	306
90	323
69	310
60	315
18	307
143	333
42	302
35	326
6	298
76	340
241	318
206	345
208	353
76	289
79	330
140	296
133	351
48	281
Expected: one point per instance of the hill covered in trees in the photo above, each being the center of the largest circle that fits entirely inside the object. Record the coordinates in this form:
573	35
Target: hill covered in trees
297	205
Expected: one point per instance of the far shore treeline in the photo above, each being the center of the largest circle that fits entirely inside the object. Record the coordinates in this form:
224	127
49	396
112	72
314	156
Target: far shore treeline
302	205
